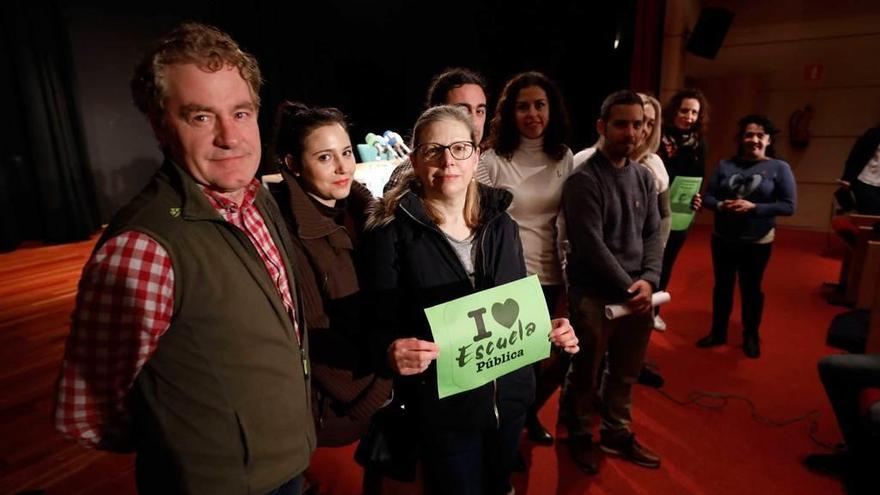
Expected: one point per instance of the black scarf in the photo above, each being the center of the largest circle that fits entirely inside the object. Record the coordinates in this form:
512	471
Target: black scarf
675	140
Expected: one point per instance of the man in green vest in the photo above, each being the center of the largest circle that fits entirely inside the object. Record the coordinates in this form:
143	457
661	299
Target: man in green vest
187	346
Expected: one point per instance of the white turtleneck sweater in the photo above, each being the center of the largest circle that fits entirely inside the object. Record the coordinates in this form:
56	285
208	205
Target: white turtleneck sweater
536	181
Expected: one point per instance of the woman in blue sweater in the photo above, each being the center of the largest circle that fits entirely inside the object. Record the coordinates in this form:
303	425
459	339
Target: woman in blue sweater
747	193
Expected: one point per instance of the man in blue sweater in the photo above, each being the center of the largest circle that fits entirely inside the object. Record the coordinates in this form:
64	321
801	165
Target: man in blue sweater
613	224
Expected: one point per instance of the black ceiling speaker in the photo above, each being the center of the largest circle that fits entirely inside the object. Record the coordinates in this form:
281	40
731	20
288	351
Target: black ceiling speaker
708	34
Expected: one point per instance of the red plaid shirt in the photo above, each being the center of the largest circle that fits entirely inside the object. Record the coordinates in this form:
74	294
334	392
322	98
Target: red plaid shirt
123	307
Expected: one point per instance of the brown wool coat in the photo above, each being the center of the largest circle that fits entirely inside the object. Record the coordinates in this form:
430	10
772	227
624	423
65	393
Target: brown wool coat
345	391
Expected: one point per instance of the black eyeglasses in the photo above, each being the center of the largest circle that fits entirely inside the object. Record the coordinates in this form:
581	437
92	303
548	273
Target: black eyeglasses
460	150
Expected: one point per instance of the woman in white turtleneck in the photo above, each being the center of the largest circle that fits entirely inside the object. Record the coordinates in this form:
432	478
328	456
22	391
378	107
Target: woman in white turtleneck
527	156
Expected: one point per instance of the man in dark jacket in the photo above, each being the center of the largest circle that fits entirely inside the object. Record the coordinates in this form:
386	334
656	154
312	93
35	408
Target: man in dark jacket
862	172
187	343
613	225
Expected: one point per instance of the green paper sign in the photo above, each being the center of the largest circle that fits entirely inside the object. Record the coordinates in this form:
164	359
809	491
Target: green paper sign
489	334
681	192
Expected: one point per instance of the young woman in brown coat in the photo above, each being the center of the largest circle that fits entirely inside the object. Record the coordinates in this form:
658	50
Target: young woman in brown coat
325	209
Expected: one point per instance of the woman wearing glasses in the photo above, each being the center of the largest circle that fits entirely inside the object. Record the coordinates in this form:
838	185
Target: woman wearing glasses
527	156
436	236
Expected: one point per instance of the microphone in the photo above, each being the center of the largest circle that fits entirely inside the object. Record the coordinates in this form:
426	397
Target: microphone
392	151
397	142
376	142
387	135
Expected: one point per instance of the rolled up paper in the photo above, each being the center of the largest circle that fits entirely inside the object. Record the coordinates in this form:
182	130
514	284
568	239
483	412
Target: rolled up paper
613	311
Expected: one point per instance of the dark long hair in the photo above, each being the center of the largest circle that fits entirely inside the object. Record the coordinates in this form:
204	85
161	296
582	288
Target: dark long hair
504	137
450	79
294	121
671	109
762	121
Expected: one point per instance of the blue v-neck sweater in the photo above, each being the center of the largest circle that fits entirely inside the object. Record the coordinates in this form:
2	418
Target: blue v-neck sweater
768	183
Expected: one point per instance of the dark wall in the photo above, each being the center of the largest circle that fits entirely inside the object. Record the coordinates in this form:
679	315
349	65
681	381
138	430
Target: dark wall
106	42
371	59
375	59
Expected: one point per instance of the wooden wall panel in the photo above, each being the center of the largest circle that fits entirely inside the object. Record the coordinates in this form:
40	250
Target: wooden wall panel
761	68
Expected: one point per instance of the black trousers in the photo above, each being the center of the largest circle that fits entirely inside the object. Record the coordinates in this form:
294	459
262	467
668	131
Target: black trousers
471	462
867	198
670	254
550	372
844	377
747	261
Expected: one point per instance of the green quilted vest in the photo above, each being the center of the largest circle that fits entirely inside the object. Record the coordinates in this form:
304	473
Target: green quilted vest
222	405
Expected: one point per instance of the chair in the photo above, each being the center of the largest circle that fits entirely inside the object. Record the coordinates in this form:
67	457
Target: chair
858	283
869	399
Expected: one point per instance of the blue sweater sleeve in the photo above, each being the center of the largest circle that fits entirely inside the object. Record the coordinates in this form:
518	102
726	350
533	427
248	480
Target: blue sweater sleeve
785	192
710	199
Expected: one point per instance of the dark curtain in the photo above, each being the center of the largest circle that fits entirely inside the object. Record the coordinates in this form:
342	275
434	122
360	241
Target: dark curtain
47	191
647	46
380	80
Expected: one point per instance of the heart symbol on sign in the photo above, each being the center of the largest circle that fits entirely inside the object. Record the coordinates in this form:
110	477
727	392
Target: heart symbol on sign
507	313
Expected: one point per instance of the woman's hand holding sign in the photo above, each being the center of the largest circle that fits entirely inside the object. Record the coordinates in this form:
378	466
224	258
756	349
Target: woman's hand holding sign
492	333
562	335
411	356
697	202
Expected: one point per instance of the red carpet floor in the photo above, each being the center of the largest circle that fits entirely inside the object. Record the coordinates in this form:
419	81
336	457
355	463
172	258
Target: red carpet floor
706	451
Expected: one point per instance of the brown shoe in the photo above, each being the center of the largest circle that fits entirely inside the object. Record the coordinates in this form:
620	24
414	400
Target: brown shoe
583	453
626	446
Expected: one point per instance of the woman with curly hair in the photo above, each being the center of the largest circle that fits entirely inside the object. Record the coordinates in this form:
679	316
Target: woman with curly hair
527	156
683	151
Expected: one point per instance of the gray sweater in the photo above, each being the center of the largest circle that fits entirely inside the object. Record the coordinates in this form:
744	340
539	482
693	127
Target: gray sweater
613	227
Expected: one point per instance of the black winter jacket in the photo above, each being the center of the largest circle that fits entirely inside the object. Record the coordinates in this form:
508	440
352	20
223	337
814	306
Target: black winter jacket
407	265
345	392
862	152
